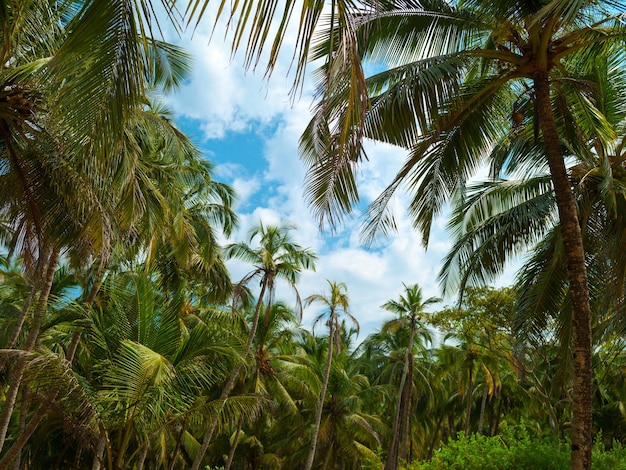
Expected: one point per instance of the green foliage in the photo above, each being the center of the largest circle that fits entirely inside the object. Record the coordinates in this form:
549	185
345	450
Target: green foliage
515	448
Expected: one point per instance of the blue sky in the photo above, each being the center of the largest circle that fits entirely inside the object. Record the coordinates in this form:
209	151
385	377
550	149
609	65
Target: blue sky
248	127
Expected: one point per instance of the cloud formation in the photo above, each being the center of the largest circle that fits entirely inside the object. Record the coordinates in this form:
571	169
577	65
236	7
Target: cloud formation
222	99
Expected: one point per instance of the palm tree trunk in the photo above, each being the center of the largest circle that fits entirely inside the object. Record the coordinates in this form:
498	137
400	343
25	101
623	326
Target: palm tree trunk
233	447
403	450
98	457
20	320
577	274
142	457
392	454
31	341
183	428
16	448
468	408
25	309
14	451
398	439
431	448
22	426
483	405
230	383
320	401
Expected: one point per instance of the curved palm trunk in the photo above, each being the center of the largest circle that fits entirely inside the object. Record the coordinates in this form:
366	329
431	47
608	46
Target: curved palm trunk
397	449
230	383
31	341
320	401
233	447
22	317
577	275
16	448
25	309
13	454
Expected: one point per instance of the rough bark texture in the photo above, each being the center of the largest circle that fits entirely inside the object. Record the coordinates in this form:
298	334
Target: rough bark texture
577	274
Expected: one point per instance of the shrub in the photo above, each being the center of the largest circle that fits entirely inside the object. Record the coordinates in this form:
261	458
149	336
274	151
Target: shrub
515	449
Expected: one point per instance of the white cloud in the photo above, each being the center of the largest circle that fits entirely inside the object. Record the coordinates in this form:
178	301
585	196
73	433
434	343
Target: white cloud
224	99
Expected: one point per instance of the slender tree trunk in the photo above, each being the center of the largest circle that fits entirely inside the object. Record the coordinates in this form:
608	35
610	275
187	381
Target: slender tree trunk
483	405
179	439
98	458
397	449
234	445
451	425
393	452
403	449
31	341
468	408
24	435
498	418
22	426
142	457
320	401
22	317
492	414
431	448
15	450
230	383
577	274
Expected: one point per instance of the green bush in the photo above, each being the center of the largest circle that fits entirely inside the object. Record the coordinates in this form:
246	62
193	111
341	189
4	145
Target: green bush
515	449
613	459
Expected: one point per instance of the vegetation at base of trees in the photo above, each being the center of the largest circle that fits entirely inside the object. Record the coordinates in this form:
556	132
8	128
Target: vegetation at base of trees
516	448
126	344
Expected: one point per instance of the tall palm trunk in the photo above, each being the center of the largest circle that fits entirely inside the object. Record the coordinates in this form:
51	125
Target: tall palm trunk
403	448
468	407
322	396
397	449
98	458
20	319
577	275
31	341
230	383
483	406
233	447
24	436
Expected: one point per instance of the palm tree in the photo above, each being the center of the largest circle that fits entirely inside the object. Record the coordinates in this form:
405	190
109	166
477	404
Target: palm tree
409	308
276	258
336	304
460	76
267	377
59	118
139	379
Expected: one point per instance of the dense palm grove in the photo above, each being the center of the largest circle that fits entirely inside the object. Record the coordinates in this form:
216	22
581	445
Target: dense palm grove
126	344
